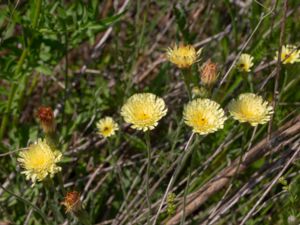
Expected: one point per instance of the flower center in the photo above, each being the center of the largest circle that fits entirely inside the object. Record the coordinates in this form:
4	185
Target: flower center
38	161
106	130
249	111
142	115
201	121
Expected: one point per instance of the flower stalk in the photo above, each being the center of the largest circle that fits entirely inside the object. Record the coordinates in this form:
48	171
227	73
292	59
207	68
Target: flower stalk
148	143
14	87
186	74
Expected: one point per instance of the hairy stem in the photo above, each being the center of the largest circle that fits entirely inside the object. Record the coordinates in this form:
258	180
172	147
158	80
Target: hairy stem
147	137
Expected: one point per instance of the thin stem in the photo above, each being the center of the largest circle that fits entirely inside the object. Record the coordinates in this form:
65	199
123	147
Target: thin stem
61	183
275	180
181	162
66	74
20	63
38	4
185	193
147	137
28	203
243	152
186	73
249	77
84	217
51	192
12	94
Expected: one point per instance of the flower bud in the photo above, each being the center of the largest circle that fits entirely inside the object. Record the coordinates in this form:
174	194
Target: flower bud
46	118
209	73
199	92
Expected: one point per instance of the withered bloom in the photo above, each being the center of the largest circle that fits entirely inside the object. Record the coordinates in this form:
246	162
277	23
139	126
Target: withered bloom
46	118
72	202
209	73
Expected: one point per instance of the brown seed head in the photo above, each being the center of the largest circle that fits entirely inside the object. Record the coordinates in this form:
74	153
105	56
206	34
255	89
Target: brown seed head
209	73
72	202
46	118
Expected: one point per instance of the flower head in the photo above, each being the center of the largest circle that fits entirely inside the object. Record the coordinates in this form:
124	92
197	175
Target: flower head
183	56
250	108
289	54
72	201
209	73
39	161
204	116
245	62
144	111
46	118
107	126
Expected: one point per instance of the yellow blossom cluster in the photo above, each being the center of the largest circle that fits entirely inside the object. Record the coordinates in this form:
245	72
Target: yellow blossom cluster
143	111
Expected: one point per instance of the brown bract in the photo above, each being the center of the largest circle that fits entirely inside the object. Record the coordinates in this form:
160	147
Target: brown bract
46	118
209	73
72	201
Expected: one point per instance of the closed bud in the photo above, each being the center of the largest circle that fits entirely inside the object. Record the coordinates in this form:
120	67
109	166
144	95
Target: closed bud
199	92
209	73
46	119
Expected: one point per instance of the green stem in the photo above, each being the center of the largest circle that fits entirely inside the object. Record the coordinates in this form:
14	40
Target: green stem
20	63
250	82
61	183
147	137
185	192
12	94
180	161
186	73
51	192
38	4
28	203
285	76
83	217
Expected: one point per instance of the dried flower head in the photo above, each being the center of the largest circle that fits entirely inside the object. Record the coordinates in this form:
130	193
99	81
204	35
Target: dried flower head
289	54
209	73
107	126
46	118
39	161
183	56
245	62
144	111
204	116
250	108
72	202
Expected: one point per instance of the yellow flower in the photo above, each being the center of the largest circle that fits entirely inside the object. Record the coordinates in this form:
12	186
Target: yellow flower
289	54
250	108
39	161
204	116
107	126
245	62
183	56
143	111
